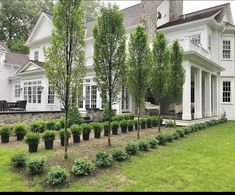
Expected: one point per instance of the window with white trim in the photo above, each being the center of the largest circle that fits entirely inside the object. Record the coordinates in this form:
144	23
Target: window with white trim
33	92
226	91
51	95
125	100
226	49
17	91
91	96
196	38
36	55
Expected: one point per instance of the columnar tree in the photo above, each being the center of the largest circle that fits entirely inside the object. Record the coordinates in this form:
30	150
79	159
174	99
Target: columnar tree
160	70
65	57
177	76
139	66
109	55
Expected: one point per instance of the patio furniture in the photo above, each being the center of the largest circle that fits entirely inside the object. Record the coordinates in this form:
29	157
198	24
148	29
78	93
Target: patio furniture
19	106
3	106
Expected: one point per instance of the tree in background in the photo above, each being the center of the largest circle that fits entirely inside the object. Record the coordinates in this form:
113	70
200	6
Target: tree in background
91	9
109	55
139	66
160	70
65	57
177	74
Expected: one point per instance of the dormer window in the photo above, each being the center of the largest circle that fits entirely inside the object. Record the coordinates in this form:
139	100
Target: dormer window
36	54
196	38
226	49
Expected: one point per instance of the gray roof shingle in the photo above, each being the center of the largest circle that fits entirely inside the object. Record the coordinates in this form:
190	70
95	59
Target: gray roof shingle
16	58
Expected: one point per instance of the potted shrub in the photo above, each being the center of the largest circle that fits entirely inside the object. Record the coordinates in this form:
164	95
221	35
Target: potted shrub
86	130
149	122
32	139
38	126
115	126
97	128
130	125
106	128
51	125
5	134
124	125
143	123
76	130
154	121
48	137
61	132
20	130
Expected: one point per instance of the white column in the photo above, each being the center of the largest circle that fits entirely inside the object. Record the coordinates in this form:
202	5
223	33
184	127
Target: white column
209	96
218	100
198	102
187	94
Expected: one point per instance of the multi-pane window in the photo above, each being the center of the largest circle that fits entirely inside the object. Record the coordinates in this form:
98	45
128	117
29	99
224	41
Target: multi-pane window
226	49
226	91
36	54
80	102
125	99
33	92
91	96
51	95
17	91
196	38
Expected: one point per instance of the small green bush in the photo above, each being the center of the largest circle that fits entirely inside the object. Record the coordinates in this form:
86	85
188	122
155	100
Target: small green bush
48	135
118	118
154	121
104	159
153	143
20	129
181	132
130	124
5	131
119	154
124	124
149	122
32	138
62	131
86	128
169	123
19	160
74	117
115	125
59	124
51	125
143	123
132	148
35	166
57	176
97	127
38	126
83	167
76	129
176	136
169	137
143	145
105	114
161	139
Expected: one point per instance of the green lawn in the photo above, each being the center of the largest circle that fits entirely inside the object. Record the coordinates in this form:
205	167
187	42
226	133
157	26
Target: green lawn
203	161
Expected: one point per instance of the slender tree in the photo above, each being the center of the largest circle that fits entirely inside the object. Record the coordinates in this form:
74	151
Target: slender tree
91	9
65	57
160	70
109	55
177	76
139	66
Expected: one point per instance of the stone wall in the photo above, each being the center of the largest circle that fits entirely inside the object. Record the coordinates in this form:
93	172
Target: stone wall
10	117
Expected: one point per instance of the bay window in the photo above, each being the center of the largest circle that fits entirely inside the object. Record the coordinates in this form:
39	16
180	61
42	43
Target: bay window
33	92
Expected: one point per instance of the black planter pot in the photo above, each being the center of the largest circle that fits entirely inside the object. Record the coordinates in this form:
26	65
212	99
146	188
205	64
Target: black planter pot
130	128
149	125
106	132
124	129
136	127
142	126
76	139
19	137
5	139
33	148
49	145
86	137
115	131
97	134
62	141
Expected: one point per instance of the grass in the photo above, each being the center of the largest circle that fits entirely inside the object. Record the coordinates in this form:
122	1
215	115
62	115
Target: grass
203	161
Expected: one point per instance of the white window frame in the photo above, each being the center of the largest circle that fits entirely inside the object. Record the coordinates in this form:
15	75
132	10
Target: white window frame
17	90
231	39
26	84
36	55
125	103
226	49
196	38
51	94
231	84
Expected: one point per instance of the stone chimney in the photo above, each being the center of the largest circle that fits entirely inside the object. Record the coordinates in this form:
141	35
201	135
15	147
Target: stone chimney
172	9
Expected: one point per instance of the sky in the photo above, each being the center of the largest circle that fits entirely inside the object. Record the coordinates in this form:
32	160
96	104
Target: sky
189	5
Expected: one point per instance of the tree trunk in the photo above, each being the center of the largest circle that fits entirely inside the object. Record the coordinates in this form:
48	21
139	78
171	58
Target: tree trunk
110	113
175	115
66	135
138	123
159	118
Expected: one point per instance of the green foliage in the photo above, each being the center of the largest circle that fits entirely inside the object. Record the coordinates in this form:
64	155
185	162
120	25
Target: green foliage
20	128
97	127
149	122
83	167
132	148
105	114
76	129
143	145
48	135
115	125
5	130
35	166
104	159
124	124
74	117
51	125
86	128
153	143
169	123
59	124
119	154
181	132
62	132
154	121
32	138
91	9
19	160
38	126
169	137
161	139
57	176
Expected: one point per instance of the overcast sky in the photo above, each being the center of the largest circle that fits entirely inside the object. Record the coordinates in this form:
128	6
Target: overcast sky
189	5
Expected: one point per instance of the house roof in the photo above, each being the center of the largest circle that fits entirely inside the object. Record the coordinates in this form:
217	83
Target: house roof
198	15
16	58
41	64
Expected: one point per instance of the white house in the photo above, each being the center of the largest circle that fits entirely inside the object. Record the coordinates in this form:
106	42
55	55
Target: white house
208	40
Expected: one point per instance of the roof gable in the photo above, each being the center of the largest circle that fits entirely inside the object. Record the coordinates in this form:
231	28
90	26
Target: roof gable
32	66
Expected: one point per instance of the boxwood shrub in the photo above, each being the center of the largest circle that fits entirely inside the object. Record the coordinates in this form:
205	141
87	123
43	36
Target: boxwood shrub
19	160
76	130
32	138
5	130
169	123
104	159
20	129
57	176
132	148
83	167
48	135
143	145
35	166
161	139
153	143
38	126
119	154
51	125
